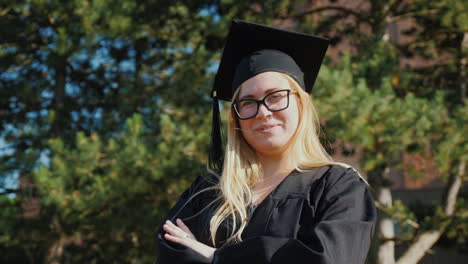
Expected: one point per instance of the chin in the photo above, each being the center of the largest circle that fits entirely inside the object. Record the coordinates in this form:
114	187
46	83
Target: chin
269	147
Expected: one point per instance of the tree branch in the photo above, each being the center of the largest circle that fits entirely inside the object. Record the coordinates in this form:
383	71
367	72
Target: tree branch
427	239
454	188
388	211
8	191
335	8
5	11
391	7
411	14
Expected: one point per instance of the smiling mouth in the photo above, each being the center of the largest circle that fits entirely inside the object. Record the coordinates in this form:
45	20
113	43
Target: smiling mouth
265	129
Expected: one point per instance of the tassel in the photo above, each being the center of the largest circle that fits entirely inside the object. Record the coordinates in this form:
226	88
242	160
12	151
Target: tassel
215	157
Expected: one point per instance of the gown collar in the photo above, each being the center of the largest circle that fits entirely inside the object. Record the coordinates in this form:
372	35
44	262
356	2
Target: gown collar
294	183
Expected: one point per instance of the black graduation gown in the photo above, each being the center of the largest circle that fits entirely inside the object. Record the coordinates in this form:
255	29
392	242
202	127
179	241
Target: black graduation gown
324	215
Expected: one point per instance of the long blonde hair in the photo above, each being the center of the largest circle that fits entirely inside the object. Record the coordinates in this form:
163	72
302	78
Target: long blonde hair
241	169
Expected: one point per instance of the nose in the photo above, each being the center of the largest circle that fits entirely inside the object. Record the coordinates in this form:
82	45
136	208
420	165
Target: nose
263	111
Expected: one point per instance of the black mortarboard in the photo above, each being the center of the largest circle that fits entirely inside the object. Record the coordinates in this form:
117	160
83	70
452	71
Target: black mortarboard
251	49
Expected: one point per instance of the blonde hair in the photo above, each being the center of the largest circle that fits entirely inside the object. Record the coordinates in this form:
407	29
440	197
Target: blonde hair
241	169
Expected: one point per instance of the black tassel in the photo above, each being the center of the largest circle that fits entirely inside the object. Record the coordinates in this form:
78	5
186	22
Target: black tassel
215	157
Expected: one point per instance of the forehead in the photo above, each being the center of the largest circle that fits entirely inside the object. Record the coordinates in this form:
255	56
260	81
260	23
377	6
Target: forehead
263	83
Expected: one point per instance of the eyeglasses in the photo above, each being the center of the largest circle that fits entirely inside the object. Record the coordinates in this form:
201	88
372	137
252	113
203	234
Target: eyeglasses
274	102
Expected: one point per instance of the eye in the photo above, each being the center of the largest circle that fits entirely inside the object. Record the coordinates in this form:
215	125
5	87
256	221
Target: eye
277	96
246	103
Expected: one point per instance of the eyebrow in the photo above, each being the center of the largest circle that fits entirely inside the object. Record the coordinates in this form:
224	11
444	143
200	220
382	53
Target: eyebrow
250	96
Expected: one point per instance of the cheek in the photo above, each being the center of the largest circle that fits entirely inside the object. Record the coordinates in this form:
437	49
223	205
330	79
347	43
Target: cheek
292	117
291	125
244	125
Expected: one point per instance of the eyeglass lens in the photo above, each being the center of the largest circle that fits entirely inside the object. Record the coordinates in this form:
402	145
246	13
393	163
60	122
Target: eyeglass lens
275	101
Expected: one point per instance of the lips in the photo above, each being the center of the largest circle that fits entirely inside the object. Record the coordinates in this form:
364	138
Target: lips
265	128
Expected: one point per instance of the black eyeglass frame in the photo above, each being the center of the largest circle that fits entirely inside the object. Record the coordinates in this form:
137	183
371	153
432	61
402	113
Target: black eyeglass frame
261	101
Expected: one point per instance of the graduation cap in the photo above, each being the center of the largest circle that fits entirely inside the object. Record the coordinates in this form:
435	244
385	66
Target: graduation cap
251	49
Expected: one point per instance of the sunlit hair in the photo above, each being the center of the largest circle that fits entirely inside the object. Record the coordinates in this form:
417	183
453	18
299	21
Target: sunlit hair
241	169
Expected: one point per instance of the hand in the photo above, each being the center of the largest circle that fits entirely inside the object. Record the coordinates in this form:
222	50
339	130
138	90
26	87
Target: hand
181	234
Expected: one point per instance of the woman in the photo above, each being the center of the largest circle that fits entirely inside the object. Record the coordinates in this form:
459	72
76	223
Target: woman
280	198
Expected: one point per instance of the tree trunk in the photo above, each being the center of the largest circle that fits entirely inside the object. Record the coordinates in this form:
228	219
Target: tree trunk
384	249
463	63
386	232
54	256
427	239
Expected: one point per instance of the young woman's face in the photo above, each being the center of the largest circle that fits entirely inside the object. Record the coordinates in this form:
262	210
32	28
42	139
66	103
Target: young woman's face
269	132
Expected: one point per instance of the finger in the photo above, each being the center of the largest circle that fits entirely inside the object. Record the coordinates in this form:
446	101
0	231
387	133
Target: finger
170	223
181	224
176	239
193	244
173	230
173	227
168	228
176	231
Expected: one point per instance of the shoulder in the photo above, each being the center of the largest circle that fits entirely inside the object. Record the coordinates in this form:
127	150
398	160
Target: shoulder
346	185
342	194
207	180
206	185
334	180
202	184
330	175
319	179
339	175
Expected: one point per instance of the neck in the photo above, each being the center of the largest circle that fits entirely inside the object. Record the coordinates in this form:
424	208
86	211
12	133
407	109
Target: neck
275	165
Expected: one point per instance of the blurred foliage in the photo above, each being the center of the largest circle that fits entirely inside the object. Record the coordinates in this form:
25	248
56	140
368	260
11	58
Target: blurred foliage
105	112
380	126
106	192
430	216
